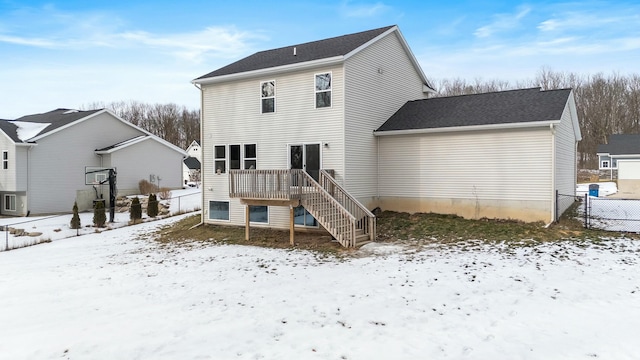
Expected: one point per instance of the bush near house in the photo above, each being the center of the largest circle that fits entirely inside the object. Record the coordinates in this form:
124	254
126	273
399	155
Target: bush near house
99	215
75	219
152	205
147	187
136	210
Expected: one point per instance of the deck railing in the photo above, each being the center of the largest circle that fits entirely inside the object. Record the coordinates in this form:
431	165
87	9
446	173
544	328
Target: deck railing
365	220
264	184
340	213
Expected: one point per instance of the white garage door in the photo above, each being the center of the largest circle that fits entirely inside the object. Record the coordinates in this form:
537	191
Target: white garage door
628	169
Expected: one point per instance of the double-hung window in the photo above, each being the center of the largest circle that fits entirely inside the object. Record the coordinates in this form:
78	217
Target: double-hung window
250	159
5	159
323	90
268	96
220	159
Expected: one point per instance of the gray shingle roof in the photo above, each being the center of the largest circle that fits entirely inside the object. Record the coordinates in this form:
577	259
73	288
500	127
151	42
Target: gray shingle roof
192	163
10	129
504	107
57	118
621	144
310	51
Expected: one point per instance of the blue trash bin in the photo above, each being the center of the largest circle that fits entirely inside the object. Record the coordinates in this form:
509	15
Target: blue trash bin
594	190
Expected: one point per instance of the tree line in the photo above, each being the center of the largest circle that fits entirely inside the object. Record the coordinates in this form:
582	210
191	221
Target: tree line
606	104
173	123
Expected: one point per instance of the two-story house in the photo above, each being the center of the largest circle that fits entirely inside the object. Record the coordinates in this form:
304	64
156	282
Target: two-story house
191	165
46	157
318	134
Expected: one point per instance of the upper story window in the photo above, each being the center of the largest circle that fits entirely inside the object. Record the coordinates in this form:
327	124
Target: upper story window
5	159
268	96
323	90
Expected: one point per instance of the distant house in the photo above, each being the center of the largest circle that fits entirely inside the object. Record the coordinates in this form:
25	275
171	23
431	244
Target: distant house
191	165
45	157
620	157
318	134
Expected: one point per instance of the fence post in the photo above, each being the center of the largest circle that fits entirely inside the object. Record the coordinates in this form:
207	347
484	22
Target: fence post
586	215
6	230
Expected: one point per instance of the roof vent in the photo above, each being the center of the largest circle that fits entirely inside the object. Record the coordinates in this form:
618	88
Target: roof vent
294	51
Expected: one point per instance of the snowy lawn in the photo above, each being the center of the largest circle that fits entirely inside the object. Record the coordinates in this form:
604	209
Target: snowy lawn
119	295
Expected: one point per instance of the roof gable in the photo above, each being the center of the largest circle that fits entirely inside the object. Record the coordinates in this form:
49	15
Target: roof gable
621	144
497	108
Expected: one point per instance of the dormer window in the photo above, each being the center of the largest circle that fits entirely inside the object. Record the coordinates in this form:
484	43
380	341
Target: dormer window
323	90
268	96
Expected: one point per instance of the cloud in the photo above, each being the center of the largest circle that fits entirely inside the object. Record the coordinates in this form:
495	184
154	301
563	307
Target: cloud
574	21
362	10
68	31
502	22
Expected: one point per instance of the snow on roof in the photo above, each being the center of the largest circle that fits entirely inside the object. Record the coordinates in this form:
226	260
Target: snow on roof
28	130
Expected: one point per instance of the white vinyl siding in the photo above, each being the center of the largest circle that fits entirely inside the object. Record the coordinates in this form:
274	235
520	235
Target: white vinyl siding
565	158
8	176
232	116
83	137
482	166
379	80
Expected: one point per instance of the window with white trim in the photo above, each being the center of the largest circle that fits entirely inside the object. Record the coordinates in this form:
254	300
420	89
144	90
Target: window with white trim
268	96
220	159
323	90
259	214
250	156
9	202
219	210
5	159
605	164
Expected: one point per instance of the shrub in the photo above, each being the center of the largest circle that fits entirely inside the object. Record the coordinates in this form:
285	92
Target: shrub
152	206
99	216
136	210
146	187
75	219
165	193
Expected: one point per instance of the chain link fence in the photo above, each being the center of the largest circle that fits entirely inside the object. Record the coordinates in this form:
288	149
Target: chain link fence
612	214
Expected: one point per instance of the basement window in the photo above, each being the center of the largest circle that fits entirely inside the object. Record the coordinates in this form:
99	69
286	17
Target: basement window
219	210
10	203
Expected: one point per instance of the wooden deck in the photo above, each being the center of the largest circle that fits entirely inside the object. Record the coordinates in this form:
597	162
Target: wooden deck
331	205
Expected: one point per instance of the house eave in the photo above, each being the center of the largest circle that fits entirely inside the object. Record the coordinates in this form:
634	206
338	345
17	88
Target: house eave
533	124
270	71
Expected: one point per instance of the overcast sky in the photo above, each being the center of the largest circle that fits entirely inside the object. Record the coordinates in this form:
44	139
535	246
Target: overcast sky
69	54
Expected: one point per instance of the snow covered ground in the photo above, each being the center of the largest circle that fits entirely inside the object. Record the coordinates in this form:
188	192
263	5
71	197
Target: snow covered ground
120	295
56	227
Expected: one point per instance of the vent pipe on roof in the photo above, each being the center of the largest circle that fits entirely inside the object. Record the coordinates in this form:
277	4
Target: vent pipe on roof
294	51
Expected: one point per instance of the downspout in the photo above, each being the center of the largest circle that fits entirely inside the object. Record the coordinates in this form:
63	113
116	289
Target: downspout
553	174
29	178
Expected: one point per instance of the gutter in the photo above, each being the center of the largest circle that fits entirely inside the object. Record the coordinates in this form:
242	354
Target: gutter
270	71
468	128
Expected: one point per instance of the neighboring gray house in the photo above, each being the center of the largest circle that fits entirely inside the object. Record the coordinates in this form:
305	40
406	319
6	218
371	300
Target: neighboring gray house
620	157
305	136
45	156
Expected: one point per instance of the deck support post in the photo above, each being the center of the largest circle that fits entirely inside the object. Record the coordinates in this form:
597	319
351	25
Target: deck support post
246	225
291	226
